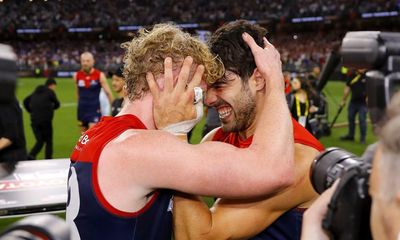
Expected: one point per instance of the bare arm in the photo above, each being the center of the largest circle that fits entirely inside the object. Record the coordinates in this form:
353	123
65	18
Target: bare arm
104	85
76	86
155	159
237	219
346	93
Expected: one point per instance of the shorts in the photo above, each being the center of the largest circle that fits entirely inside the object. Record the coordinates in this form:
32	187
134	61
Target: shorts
85	116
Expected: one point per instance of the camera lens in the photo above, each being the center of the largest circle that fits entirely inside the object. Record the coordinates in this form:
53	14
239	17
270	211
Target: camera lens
329	166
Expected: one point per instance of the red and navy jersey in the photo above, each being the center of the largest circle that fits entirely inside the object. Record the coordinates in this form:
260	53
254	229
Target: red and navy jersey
89	87
287	226
89	214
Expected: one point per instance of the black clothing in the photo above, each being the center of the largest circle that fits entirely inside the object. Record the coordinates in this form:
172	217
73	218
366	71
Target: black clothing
358	89
44	134
11	127
116	106
41	105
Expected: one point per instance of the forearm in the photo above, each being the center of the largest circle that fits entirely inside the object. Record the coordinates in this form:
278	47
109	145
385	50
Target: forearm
4	143
191	216
276	128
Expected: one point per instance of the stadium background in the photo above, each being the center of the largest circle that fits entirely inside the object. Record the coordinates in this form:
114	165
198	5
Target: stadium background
48	37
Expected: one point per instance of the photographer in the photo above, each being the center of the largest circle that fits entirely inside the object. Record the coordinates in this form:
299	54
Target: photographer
384	186
12	137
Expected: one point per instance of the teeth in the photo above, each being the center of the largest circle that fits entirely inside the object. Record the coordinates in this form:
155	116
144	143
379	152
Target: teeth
224	112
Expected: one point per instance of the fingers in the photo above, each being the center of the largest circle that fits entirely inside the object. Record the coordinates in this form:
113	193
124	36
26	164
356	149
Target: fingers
198	75
266	43
250	42
184	74
168	75
153	86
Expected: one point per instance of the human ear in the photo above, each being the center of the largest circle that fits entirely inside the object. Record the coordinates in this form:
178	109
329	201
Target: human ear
259	81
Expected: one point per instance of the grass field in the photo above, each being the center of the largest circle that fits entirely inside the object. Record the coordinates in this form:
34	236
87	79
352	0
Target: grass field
66	131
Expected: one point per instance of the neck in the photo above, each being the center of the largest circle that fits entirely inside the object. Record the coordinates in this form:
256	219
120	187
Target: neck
88	71
141	108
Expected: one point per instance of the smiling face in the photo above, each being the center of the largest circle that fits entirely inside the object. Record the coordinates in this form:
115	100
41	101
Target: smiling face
234	102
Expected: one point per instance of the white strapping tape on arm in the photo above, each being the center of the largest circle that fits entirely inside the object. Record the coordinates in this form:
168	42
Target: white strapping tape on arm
185	126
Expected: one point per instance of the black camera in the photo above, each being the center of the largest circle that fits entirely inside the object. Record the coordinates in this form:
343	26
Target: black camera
348	215
349	209
379	52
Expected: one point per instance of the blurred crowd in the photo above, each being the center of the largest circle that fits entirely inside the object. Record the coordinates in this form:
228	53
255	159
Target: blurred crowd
64	55
299	52
53	15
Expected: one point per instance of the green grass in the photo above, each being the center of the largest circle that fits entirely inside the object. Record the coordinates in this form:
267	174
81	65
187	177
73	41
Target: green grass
65	125
66	131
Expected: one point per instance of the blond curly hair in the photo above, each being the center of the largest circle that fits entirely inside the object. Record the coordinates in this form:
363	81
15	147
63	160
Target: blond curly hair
146	53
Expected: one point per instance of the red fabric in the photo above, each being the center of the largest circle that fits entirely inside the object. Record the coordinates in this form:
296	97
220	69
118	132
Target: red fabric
87	78
301	135
92	142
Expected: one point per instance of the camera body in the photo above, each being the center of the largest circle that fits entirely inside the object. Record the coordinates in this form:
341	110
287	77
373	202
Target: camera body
349	209
348	215
379	53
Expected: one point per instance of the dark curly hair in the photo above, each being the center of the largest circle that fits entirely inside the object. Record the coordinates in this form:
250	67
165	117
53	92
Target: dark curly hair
228	45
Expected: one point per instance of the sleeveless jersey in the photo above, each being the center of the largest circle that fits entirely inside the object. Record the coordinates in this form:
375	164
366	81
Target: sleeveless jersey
89	91
89	214
288	225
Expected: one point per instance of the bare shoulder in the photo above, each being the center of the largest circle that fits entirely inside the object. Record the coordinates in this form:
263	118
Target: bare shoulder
209	136
139	143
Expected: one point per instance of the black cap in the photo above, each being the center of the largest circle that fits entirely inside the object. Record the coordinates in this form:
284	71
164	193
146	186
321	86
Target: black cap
118	72
50	81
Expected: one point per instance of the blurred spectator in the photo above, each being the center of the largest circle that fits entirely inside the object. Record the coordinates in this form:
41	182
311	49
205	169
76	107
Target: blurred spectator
118	86
41	105
358	105
12	136
302	102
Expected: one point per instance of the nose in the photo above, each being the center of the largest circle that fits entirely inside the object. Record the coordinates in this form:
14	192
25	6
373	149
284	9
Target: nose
210	97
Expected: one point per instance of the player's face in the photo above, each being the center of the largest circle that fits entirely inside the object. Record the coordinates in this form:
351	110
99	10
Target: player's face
234	102
87	62
117	83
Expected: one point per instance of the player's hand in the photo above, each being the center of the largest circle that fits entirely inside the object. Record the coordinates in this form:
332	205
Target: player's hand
268	62
174	102
312	219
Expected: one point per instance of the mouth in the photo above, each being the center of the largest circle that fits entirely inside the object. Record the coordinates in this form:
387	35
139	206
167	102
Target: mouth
224	112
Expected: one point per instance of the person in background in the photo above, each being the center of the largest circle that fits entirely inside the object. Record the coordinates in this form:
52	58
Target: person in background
302	101
89	81
358	105
41	105
117	84
12	136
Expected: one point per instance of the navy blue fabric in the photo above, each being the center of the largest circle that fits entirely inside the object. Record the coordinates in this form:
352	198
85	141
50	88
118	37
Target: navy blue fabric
95	222
286	227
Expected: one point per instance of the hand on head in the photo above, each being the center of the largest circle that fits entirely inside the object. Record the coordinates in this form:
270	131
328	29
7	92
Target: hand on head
267	60
174	103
